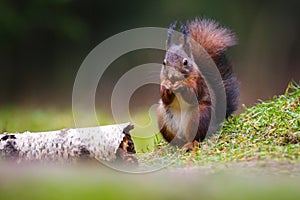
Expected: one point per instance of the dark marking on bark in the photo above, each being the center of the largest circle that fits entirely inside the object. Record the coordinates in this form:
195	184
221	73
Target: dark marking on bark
10	150
5	137
84	153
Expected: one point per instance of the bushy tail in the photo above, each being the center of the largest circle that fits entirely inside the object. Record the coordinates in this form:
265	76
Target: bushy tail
215	39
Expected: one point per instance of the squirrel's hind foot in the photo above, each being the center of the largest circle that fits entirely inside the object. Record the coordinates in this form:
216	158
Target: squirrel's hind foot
191	146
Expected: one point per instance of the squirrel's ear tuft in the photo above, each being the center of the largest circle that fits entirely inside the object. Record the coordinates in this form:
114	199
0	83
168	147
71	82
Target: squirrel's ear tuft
172	28
184	29
186	40
170	34
214	38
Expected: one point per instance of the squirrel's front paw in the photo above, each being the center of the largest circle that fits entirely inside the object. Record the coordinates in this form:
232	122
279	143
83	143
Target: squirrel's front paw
178	86
167	85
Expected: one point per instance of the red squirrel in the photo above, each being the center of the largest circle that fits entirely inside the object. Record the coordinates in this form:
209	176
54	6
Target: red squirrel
185	106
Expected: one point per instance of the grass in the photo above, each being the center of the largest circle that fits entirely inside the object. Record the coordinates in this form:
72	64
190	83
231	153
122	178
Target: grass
254	156
20	119
162	185
269	130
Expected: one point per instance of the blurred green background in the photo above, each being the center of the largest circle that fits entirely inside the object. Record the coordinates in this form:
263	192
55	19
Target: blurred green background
44	42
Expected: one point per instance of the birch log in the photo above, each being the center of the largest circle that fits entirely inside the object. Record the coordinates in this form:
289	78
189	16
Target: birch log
103	143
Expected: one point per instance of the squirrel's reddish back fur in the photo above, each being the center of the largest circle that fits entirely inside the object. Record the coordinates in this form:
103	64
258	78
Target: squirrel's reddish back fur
181	79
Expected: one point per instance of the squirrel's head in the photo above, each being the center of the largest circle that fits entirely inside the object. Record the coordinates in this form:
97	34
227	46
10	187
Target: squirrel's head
178	63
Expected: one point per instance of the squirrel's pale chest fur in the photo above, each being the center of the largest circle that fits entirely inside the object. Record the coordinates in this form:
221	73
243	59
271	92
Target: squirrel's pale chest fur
179	111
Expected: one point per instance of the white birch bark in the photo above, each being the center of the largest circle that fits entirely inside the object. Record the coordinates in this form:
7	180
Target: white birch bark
101	143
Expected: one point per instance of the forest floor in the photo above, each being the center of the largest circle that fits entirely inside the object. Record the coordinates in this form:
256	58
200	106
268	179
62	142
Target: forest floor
255	155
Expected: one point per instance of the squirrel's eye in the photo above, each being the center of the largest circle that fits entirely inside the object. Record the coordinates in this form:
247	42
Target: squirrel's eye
185	61
164	62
